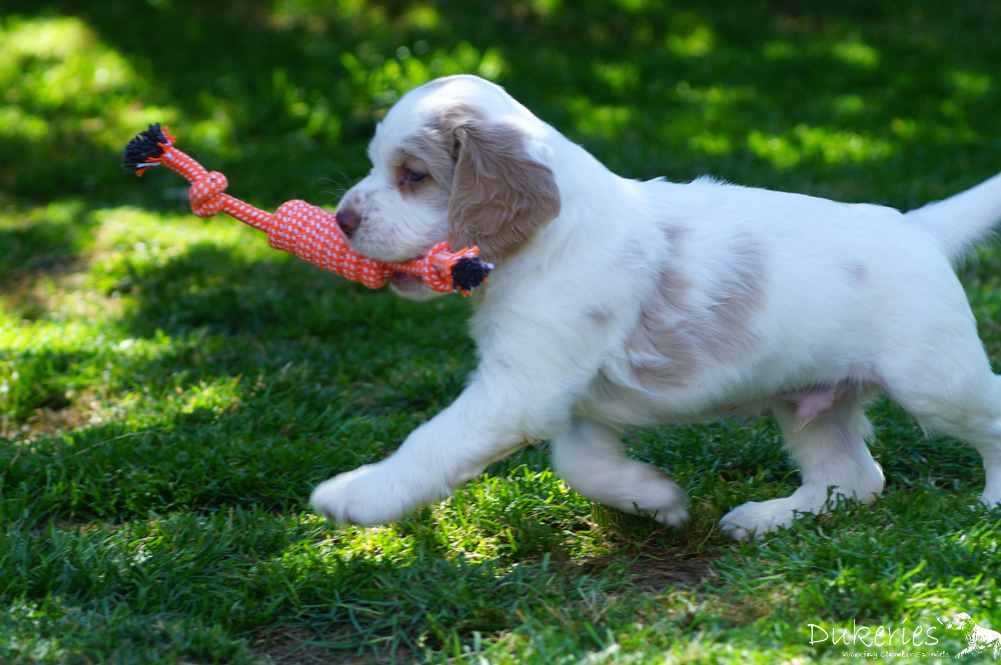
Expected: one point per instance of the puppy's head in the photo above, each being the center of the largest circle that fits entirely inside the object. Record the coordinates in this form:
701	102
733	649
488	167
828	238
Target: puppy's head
961	621
457	159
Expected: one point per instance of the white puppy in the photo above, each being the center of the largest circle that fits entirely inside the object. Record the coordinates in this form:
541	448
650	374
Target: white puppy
619	303
978	639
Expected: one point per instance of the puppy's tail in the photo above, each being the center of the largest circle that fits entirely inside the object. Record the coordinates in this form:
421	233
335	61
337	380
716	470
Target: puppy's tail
962	221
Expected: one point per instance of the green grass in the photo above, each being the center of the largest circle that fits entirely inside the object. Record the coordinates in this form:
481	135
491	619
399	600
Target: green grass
171	389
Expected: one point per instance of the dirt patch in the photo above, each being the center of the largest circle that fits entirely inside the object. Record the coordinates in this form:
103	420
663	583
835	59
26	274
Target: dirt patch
303	646
652	571
45	422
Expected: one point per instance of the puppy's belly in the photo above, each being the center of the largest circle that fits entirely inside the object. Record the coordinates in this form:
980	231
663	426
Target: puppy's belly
622	404
811	402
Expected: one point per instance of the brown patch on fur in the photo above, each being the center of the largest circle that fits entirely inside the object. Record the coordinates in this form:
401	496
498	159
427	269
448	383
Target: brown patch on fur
499	195
429	189
675	234
857	272
599	316
435	150
679	327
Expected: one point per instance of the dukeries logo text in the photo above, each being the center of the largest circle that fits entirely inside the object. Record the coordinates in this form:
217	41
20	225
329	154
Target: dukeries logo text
904	640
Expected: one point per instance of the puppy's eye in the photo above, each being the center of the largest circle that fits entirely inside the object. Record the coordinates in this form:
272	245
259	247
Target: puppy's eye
414	176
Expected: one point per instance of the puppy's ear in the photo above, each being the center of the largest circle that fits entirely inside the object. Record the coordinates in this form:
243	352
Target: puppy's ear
500	195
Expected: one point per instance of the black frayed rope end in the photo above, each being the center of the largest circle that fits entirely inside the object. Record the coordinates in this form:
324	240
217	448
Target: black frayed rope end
468	273
144	148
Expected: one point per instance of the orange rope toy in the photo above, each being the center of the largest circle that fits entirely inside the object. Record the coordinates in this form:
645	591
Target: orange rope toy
305	230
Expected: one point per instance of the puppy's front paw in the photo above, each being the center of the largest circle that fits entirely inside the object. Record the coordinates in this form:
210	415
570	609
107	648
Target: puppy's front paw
662	498
365	497
756	518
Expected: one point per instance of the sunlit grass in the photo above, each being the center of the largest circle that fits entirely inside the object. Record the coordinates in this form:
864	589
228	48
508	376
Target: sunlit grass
51	66
693	37
390	78
806	143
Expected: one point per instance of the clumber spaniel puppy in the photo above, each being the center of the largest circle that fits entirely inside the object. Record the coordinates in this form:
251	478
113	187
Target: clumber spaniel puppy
618	303
978	639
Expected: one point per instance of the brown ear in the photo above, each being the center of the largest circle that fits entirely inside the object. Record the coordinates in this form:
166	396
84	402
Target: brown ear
500	195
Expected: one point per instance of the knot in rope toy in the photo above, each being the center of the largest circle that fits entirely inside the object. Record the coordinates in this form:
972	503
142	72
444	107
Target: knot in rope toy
205	194
307	231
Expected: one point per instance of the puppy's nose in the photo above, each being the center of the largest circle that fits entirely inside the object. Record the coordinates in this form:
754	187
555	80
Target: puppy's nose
348	220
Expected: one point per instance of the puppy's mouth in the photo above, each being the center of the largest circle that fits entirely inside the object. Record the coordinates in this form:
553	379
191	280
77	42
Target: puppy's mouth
404	281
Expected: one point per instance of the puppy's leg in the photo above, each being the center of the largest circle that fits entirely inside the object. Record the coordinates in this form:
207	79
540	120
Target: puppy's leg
437	457
589	457
481	426
835	462
937	369
964	404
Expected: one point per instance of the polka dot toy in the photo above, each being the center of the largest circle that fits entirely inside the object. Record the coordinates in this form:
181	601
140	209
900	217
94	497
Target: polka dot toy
307	231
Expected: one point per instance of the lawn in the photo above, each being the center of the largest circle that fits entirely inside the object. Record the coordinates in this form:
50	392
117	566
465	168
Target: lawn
171	389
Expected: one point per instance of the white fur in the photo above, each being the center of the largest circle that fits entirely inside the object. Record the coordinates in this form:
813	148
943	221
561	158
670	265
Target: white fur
840	301
979	640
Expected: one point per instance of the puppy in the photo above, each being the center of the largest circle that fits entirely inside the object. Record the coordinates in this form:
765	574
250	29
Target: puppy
618	303
978	639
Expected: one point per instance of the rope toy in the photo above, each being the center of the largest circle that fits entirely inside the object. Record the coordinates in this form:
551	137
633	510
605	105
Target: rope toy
307	231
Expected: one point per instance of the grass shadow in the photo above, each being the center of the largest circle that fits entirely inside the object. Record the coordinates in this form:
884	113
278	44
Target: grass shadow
652	90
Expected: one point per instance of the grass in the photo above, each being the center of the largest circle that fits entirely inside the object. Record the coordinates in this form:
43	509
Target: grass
171	389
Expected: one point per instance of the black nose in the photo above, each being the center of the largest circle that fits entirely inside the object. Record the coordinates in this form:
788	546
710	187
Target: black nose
348	220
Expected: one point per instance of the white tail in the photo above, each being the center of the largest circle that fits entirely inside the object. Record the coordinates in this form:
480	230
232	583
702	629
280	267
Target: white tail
963	220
